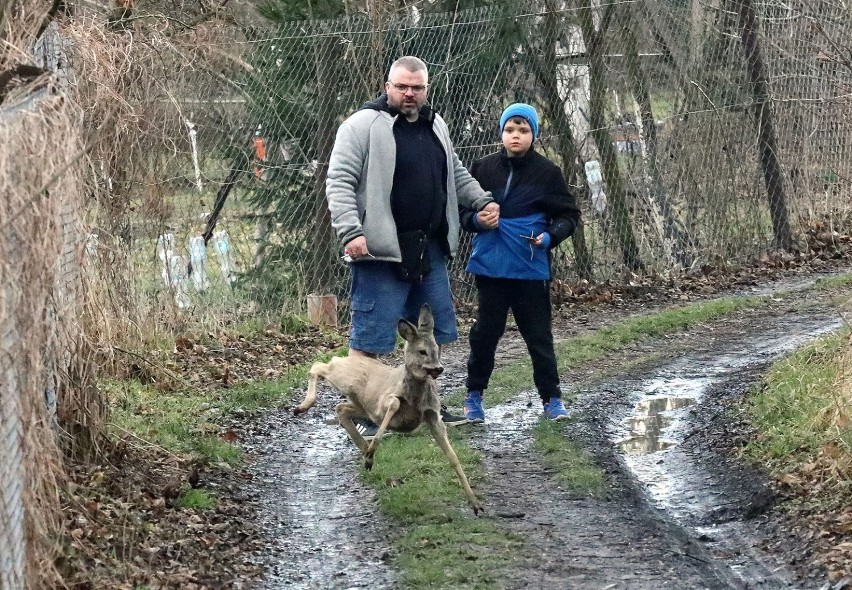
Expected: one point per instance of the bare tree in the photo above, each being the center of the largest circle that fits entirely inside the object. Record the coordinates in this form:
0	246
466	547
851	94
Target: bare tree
324	248
764	120
673	231
543	60
594	40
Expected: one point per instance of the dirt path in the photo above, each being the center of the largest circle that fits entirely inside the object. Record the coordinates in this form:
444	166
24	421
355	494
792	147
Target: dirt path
682	518
319	518
679	511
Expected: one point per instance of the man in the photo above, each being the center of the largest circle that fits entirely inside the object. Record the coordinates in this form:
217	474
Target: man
394	176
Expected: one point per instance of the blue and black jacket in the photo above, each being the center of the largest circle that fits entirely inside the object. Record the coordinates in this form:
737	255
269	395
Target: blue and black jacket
533	198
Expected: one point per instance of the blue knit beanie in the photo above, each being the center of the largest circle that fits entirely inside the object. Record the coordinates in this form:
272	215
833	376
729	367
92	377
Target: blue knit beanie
520	109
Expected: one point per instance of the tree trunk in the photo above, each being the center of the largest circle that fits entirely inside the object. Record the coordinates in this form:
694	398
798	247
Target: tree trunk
323	246
375	75
672	228
600	132
544	67
5	7
766	143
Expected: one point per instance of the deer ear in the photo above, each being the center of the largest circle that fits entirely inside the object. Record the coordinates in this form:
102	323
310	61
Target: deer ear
426	320
407	330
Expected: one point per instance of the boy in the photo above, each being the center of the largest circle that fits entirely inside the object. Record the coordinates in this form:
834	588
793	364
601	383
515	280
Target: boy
511	257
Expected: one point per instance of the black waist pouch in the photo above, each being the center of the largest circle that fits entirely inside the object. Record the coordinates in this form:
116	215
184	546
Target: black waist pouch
415	264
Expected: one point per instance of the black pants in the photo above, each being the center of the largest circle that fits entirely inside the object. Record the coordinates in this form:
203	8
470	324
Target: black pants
530	304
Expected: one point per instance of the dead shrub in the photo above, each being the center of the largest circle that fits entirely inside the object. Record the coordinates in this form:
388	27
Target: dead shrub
40	249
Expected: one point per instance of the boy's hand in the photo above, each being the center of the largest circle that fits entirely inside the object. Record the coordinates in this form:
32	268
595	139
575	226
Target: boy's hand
542	240
489	216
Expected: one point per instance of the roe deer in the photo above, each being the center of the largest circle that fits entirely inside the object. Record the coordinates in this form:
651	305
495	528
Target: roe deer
396	398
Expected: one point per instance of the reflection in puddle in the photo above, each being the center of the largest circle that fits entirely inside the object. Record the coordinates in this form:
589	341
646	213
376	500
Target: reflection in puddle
676	476
651	417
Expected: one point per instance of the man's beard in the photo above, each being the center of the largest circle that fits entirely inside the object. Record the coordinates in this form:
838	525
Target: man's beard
408	108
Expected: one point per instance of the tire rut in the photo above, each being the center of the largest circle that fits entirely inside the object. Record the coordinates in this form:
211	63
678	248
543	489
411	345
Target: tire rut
577	542
321	522
705	532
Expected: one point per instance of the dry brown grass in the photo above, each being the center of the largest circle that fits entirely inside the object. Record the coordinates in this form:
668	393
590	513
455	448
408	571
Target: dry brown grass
94	138
41	251
18	28
39	190
131	90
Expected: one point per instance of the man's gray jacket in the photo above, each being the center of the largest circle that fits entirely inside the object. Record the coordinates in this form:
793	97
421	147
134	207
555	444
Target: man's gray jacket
360	180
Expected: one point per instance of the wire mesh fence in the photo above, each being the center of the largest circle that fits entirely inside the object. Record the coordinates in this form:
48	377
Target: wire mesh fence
693	134
44	404
29	250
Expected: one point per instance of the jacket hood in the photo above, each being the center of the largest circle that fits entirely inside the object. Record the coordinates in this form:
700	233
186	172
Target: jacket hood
381	104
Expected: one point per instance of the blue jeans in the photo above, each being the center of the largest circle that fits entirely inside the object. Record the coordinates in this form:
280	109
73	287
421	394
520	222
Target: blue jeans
380	299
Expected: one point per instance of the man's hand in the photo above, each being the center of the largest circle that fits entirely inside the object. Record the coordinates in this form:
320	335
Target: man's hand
357	248
489	216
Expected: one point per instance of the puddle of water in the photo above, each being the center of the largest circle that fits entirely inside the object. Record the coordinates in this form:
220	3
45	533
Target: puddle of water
648	424
650	436
656	417
656	424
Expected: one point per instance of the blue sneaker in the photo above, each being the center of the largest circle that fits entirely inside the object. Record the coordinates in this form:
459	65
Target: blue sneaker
473	407
554	409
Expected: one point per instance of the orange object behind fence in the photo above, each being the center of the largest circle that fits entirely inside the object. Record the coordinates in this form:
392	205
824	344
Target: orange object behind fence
260	154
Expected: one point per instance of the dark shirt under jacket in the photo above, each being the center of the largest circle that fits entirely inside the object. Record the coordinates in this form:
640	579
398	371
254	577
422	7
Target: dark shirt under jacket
418	198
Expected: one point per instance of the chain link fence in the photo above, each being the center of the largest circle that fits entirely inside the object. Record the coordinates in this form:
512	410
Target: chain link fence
694	135
46	402
22	404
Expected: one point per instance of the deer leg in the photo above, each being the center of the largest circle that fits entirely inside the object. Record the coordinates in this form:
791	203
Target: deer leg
345	412
318	371
439	432
391	407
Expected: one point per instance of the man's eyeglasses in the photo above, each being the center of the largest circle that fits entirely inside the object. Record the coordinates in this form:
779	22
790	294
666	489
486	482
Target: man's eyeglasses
403	88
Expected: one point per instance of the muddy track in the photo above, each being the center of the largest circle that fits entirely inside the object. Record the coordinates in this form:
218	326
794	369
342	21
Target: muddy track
678	514
320	520
679	511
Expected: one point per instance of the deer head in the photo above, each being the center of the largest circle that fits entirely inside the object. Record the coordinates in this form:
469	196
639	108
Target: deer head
421	354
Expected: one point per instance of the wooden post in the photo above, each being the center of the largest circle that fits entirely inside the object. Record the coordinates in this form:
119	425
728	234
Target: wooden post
322	310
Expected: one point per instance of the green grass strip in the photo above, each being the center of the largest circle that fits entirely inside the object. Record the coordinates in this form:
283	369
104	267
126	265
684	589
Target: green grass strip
575	469
443	545
794	407
186	421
